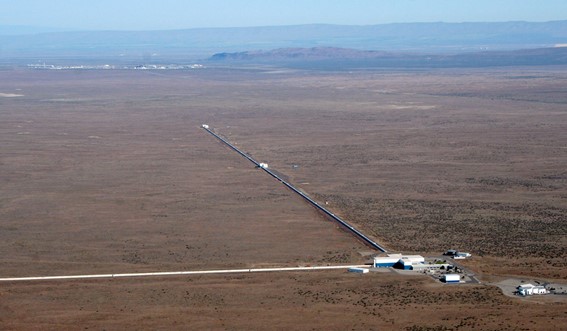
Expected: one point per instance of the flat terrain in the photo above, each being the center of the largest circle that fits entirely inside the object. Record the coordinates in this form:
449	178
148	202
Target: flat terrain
287	301
101	176
109	172
426	161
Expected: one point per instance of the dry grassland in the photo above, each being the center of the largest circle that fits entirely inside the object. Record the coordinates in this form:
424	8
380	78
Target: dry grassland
109	172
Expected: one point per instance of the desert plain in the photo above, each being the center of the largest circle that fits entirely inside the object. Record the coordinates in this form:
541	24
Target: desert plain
108	171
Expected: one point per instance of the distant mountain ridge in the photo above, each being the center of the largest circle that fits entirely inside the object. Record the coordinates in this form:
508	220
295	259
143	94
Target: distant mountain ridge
199	43
300	54
349	58
12	30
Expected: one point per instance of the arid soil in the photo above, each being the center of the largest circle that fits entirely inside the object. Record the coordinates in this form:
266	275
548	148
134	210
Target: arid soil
471	160
99	178
109	172
288	301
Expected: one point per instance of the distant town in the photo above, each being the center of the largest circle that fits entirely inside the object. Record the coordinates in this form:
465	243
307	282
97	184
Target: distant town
45	66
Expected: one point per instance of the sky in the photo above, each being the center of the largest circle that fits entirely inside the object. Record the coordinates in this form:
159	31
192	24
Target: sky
184	14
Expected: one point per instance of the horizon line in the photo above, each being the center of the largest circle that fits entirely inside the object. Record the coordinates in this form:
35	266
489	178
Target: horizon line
70	29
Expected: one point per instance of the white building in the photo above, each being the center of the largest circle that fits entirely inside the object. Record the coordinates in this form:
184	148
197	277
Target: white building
405	262
358	270
452	278
530	289
462	255
431	267
386	261
456	254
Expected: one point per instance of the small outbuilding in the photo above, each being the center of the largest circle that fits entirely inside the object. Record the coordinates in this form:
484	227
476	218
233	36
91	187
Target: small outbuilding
358	270
456	254
452	278
463	255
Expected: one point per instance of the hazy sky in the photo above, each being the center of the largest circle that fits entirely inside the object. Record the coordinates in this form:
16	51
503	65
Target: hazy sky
179	14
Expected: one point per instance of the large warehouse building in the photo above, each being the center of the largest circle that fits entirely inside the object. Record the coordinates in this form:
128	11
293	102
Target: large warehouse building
398	261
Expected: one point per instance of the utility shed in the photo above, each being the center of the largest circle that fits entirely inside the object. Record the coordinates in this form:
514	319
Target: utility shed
452	278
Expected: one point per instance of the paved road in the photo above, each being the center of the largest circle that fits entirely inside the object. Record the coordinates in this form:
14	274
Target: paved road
352	229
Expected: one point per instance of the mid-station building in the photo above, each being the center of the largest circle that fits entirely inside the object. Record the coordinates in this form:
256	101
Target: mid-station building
417	263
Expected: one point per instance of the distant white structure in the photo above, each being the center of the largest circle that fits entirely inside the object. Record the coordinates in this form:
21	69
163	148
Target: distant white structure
205	126
431	267
462	255
530	289
264	165
358	270
456	254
